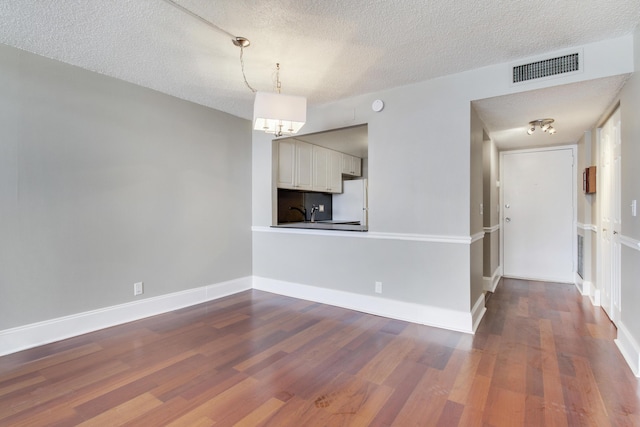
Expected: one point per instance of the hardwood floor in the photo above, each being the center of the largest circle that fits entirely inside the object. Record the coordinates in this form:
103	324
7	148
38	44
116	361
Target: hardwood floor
542	356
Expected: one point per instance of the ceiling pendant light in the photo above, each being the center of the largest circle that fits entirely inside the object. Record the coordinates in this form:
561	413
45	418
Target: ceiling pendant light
544	124
279	114
274	112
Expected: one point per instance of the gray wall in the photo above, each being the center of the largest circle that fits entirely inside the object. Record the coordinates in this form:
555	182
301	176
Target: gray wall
629	108
584	209
104	183
476	214
491	200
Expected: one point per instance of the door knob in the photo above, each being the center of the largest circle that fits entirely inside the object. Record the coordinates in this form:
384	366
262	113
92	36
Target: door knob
507	219
507	206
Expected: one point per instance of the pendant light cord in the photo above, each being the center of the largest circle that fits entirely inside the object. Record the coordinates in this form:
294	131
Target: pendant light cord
238	41
242	68
199	18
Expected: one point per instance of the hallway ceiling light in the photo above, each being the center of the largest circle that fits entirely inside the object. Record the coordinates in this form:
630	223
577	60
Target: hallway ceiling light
273	112
544	124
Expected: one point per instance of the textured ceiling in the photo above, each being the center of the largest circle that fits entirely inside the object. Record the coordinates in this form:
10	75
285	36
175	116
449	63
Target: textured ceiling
328	49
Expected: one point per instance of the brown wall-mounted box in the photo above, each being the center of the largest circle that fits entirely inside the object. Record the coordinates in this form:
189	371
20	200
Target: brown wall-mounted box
589	180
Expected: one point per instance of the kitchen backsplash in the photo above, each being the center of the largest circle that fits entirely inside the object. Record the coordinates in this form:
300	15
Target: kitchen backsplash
288	199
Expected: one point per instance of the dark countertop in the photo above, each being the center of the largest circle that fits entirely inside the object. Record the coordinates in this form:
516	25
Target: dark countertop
323	225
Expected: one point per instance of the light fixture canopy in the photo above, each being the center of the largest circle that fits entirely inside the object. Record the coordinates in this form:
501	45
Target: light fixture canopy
544	124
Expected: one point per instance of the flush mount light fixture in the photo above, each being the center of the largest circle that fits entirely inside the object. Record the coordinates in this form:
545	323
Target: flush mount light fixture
544	124
273	112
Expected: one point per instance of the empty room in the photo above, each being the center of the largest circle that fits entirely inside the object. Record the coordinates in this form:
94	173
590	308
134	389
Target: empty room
319	213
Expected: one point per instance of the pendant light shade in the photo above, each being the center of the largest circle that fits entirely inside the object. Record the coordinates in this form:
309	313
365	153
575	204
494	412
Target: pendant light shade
279	114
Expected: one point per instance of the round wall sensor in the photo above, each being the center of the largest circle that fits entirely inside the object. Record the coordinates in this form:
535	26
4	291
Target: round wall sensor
377	105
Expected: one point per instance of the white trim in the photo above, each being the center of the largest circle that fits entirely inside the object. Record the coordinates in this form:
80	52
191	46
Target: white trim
477	236
630	242
478	311
491	283
466	240
416	313
579	282
594	294
587	227
35	334
492	229
629	348
590	290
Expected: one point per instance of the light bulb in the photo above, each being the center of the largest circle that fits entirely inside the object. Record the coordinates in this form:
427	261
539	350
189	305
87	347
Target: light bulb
546	127
531	130
552	130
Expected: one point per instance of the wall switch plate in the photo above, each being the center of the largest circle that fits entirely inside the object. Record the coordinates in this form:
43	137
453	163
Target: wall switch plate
378	287
481	209
138	288
321	208
633	208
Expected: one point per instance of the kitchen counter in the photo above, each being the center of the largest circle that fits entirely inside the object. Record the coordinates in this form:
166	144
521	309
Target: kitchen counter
325	225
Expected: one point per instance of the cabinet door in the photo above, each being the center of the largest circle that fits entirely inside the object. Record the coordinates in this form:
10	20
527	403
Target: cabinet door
346	164
286	163
304	166
351	165
334	171
356	166
320	168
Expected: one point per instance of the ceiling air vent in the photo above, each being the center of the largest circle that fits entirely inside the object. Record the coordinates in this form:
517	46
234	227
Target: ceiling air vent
546	68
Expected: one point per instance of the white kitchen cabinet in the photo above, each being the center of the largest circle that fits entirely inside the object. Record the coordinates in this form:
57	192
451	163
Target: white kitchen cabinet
351	165
327	172
295	164
335	172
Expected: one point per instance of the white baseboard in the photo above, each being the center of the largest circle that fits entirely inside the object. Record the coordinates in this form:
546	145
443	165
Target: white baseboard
491	283
592	292
579	282
407	311
35	334
588	289
478	311
629	348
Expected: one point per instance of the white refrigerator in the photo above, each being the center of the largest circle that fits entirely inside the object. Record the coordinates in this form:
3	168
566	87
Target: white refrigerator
352	203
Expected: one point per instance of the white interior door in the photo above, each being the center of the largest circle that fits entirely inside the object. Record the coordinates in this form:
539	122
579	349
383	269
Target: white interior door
610	217
538	214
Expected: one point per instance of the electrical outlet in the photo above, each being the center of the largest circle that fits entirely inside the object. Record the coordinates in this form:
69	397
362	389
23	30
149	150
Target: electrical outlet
378	287
138	288
321	208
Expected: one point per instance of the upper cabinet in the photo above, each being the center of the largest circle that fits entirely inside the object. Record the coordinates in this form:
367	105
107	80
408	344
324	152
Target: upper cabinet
351	165
308	167
295	164
327	170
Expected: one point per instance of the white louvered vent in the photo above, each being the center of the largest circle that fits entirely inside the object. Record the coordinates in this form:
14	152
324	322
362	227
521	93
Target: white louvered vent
546	68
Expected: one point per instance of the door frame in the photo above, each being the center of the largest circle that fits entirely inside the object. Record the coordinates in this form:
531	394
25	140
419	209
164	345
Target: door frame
574	195
609	301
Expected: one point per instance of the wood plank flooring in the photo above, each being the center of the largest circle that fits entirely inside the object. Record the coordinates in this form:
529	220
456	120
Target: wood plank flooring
542	356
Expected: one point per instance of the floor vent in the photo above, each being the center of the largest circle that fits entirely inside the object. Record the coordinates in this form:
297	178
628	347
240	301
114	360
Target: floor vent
546	68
